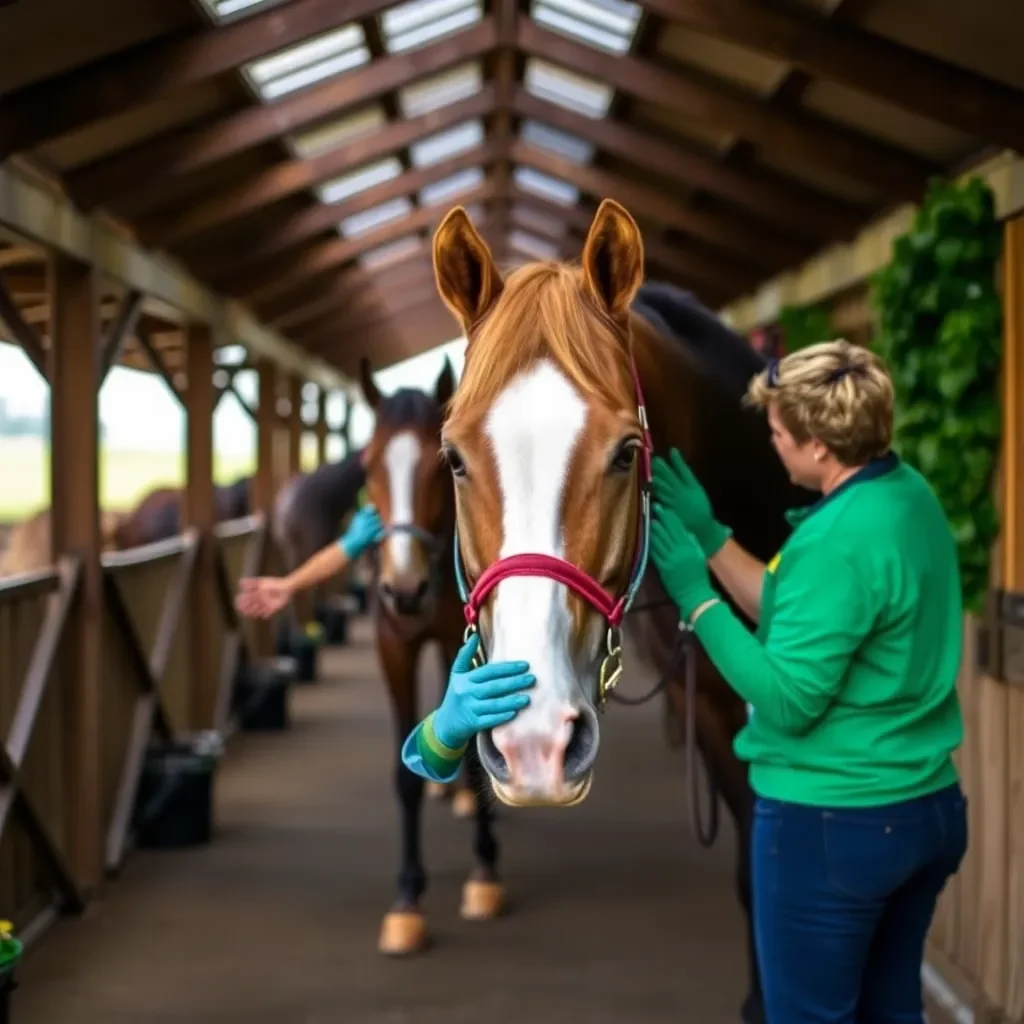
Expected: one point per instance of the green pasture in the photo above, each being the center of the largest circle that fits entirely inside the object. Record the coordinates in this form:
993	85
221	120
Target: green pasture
124	475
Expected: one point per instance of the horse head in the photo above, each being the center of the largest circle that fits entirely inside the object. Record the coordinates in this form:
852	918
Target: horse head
408	483
547	442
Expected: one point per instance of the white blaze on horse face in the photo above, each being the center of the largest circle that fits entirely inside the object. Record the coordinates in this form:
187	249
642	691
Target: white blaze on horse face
533	428
401	459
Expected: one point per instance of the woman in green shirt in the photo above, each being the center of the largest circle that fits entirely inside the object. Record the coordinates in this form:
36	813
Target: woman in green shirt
850	683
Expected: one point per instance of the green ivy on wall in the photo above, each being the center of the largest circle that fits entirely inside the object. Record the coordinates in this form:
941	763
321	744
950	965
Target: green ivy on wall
805	325
940	332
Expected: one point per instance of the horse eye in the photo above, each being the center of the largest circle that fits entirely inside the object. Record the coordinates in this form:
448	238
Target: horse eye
454	460
625	455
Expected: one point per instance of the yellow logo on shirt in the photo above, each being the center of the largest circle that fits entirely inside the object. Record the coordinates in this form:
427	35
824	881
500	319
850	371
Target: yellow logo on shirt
774	563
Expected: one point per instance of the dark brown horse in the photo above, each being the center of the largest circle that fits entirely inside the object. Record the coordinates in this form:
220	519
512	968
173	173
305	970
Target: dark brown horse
310	511
158	514
416	602
547	438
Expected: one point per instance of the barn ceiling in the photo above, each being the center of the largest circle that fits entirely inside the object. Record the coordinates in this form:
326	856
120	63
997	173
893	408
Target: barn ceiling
298	155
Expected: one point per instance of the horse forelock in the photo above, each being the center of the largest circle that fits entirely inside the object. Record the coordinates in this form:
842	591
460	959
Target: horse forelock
543	312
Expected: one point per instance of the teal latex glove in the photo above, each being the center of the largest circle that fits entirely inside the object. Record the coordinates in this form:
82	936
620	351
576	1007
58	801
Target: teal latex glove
480	698
365	529
680	561
676	488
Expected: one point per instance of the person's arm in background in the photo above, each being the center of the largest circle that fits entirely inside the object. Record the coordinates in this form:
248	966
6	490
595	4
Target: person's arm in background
475	699
263	596
678	489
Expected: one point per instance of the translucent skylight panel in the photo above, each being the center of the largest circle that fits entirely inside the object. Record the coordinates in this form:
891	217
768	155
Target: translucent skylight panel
447	189
447	144
358	181
441	90
230	355
309	61
424	21
555	141
606	24
565	88
229	8
322	139
384	255
545	186
533	246
375	217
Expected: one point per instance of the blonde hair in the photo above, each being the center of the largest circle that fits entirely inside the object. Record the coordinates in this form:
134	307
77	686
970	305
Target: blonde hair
838	393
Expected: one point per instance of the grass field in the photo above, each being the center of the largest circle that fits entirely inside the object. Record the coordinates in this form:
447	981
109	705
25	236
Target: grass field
124	475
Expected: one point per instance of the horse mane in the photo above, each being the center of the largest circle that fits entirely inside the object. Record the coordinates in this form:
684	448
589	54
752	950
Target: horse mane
679	315
543	311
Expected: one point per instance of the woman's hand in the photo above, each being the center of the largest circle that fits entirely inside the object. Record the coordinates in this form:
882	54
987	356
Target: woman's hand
262	596
365	530
677	489
480	698
680	561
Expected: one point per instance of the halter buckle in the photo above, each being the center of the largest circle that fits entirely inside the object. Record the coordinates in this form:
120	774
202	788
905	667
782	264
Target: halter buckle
477	661
611	666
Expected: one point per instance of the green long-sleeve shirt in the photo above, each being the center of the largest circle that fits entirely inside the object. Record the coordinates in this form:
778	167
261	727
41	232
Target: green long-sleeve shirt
852	673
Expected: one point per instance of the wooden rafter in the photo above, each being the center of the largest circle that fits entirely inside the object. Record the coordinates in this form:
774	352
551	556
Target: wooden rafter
324	257
145	167
23	333
916	81
118	83
808	138
291	176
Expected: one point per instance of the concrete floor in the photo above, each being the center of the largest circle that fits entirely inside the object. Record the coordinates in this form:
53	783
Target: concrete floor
617	914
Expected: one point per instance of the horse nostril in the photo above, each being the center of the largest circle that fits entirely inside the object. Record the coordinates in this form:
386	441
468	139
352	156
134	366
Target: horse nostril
581	753
491	757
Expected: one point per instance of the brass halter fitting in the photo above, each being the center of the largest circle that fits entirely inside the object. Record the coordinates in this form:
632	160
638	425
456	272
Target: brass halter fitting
611	666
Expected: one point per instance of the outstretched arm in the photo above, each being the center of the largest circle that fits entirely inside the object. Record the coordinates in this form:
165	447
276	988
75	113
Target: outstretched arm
424	754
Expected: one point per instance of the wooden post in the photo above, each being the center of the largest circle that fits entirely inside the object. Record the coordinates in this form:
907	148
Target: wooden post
321	428
1006	715
295	430
200	513
74	489
266	421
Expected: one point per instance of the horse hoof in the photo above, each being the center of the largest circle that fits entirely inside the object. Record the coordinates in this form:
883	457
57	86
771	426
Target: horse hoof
403	932
464	804
436	790
482	900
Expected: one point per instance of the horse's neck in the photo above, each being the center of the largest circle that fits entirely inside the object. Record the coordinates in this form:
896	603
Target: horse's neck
338	487
727	447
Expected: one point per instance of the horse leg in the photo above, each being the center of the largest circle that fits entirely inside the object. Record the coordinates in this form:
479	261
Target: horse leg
404	929
719	718
483	895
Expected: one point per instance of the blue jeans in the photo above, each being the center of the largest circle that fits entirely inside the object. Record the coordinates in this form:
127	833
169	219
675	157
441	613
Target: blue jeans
843	900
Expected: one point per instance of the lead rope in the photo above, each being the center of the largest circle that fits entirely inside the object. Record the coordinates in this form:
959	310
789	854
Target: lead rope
706	836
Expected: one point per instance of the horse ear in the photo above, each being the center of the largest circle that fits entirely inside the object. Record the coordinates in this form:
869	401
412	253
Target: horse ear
445	386
467	277
370	392
613	258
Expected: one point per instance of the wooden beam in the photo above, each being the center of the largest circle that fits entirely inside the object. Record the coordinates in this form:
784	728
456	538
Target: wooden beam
326	256
145	168
418	294
981	107
75	524
321	217
43	215
21	331
116	83
803	210
719	271
810	139
321	428
755	245
253	196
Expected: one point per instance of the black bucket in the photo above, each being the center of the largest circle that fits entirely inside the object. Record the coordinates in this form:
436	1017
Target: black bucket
7	987
333	616
305	649
362	595
174	803
261	694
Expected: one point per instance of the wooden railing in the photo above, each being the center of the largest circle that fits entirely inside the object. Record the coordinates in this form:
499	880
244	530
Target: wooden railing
147	689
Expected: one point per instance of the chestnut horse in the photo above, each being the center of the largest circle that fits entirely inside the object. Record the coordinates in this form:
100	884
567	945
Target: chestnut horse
309	512
416	601
574	375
